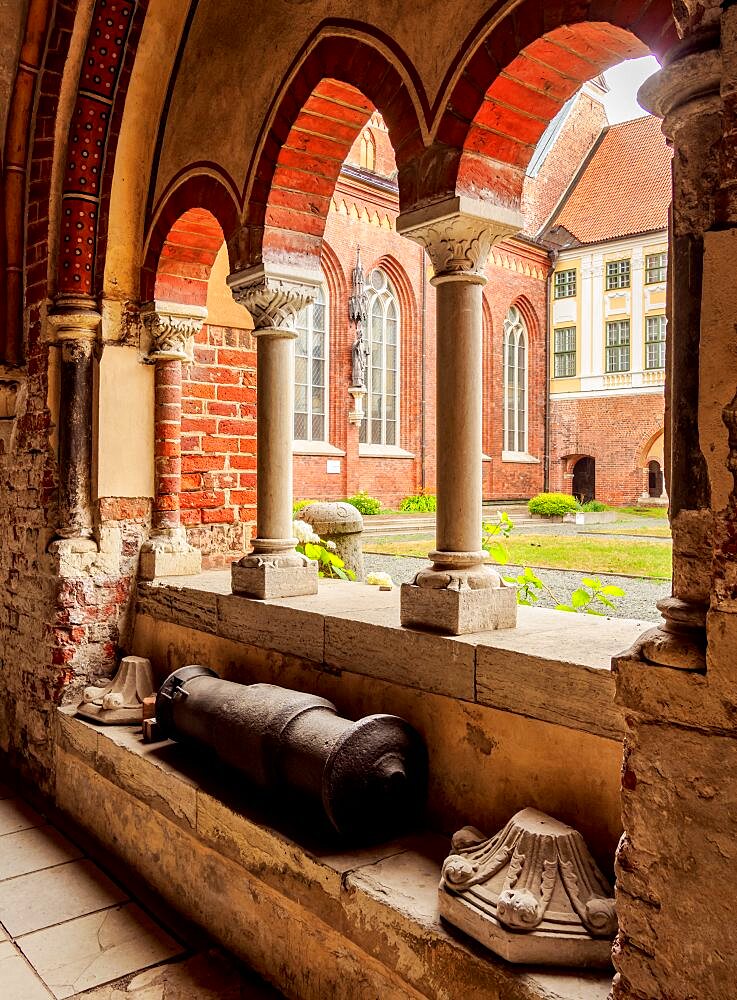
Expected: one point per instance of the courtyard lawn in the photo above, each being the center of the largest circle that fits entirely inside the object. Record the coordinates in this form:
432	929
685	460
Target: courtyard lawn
616	556
655	529
655	512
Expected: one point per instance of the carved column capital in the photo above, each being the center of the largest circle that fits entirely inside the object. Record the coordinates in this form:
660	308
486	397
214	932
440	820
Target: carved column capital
685	88
172	328
273	298
74	318
458	234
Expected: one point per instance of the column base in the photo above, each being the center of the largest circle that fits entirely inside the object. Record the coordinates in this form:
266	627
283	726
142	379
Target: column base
169	554
266	576
458	612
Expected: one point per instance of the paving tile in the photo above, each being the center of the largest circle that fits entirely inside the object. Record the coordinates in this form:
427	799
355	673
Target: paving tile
15	814
34	849
40	899
18	981
96	949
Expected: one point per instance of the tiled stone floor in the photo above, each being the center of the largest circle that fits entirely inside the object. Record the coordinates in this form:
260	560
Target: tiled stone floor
68	931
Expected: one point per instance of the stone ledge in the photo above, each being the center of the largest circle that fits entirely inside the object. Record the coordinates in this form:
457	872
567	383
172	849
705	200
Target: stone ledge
240	870
552	667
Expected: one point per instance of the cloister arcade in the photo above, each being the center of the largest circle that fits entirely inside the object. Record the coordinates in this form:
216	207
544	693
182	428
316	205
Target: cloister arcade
142	135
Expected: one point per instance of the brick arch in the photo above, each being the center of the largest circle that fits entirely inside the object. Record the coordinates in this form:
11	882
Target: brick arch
527	311
188	231
517	79
332	93
647	446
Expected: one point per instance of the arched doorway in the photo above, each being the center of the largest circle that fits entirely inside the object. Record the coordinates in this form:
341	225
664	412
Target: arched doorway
584	479
654	479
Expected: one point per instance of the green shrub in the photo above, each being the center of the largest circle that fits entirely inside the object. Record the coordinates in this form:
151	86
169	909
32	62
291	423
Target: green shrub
593	506
420	503
364	503
552	504
299	505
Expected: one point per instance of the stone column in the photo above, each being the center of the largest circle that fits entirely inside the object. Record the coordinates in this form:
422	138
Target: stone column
172	328
685	93
75	320
274	568
459	593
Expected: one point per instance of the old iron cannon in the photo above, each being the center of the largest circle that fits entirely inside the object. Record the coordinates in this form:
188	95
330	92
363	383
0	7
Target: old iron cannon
370	776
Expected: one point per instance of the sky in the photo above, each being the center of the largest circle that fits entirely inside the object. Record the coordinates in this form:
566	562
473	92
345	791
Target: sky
624	81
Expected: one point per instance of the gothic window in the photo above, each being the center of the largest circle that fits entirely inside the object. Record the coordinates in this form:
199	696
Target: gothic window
515	382
311	372
381	424
368	151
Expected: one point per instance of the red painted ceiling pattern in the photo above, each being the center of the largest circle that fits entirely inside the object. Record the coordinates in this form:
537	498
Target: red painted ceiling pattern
103	59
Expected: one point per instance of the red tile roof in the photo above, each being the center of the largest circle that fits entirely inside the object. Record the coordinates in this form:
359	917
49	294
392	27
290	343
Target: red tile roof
625	188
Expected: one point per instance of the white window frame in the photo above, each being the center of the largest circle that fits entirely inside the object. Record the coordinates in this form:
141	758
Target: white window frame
618	274
565	286
308	315
615	329
658	342
567	353
660	268
514	325
380	285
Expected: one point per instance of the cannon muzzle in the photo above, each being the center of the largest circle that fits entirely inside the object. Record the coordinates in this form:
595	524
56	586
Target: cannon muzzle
370	776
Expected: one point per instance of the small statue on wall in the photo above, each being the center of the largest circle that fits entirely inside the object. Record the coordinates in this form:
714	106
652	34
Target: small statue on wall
358	312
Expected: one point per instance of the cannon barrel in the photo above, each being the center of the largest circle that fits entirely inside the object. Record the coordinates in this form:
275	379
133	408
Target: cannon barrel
370	776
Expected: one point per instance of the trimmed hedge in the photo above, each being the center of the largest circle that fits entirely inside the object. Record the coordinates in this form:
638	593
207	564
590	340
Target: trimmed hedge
553	504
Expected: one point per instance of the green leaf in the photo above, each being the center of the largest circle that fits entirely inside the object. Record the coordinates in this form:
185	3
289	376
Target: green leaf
498	553
592	582
605	600
580	598
591	611
613	591
313	551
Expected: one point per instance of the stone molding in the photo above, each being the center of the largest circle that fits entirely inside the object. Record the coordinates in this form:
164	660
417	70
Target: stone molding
172	328
273	298
685	87
74	318
458	235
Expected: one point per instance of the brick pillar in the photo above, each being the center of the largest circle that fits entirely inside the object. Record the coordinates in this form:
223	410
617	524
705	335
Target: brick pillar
459	593
172	329
75	320
274	569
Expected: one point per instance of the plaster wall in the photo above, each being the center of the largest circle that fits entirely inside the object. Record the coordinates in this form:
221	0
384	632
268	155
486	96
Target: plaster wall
125	437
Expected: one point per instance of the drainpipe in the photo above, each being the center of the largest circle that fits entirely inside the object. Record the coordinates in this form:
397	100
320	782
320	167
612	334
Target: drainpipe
548	330
423	331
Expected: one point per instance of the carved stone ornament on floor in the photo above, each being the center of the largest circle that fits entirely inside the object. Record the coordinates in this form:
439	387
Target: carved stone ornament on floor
120	701
532	893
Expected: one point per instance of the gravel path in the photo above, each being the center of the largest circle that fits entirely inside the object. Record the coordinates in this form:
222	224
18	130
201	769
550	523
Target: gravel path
639	602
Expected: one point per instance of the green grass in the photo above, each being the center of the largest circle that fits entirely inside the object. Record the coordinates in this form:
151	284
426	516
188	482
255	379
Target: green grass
585	555
656	512
652	530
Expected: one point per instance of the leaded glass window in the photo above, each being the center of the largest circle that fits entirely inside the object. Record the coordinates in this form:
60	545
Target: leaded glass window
381	424
311	372
515	382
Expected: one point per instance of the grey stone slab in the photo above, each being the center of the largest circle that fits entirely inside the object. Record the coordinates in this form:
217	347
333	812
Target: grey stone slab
175	602
95	949
34	849
18	981
272	625
42	898
15	815
374	644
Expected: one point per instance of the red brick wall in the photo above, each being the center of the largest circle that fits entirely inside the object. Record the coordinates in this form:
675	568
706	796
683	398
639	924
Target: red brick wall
542	193
615	431
218	501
